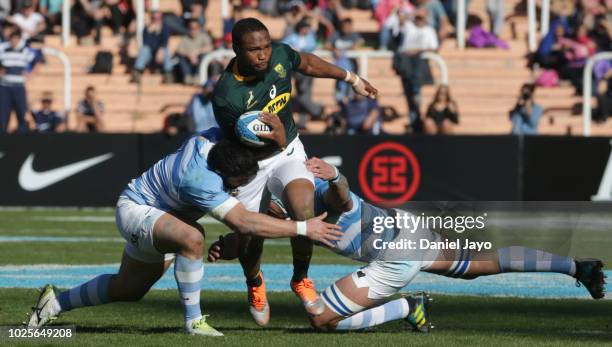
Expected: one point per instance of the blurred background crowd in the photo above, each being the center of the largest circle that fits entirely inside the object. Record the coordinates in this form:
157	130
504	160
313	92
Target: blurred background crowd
496	85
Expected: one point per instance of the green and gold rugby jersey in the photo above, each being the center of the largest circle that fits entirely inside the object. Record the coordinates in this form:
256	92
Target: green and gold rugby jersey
236	94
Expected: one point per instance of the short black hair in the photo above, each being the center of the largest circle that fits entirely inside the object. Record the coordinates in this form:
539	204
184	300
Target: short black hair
232	159
245	26
15	33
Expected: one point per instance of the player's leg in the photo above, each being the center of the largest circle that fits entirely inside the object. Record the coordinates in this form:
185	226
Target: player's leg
142	265
255	198
468	265
295	184
357	301
131	283
186	239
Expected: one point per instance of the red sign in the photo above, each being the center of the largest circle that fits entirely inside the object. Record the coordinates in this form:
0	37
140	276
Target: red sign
389	173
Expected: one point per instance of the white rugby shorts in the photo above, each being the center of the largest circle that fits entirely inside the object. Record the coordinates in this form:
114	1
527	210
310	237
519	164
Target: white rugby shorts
385	278
274	174
135	223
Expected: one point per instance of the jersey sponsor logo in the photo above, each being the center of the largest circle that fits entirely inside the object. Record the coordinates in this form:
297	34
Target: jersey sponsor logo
280	70
251	97
278	103
604	193
31	180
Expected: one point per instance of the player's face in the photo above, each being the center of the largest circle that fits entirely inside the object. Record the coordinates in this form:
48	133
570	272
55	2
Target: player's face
256	51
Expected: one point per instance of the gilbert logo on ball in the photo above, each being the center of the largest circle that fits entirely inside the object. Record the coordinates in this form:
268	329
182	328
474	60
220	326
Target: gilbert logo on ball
247	127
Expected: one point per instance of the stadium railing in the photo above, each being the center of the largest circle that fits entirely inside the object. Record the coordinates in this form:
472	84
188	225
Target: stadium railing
66	23
461	22
363	57
140	19
531	20
531	14
48	51
587	78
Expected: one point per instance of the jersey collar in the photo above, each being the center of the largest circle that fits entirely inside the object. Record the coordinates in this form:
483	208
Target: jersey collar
238	76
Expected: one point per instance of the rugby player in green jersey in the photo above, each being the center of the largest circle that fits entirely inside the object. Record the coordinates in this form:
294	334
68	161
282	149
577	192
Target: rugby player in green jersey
259	79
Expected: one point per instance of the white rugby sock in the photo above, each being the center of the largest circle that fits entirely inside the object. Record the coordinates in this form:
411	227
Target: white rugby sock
188	274
392	310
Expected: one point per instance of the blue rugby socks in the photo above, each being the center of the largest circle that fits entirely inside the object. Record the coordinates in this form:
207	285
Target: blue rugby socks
92	293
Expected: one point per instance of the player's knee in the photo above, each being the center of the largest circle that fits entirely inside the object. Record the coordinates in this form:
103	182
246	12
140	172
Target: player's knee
321	324
192	243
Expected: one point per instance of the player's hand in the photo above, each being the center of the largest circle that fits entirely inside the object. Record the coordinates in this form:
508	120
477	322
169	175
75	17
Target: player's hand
278	129
363	87
320	168
318	230
226	248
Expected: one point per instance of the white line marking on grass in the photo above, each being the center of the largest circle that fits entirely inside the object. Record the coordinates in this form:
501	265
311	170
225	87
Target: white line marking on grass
104	219
55	208
85	239
94	219
5	239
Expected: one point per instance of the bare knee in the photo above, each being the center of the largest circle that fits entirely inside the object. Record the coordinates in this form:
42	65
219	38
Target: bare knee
321	324
299	194
192	244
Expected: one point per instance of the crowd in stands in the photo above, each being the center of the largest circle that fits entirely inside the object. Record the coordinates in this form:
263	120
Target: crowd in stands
579	29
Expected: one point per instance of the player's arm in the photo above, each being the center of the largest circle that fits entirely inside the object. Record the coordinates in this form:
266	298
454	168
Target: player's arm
314	66
246	222
338	195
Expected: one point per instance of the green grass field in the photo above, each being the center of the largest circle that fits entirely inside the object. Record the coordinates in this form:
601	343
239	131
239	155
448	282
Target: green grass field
157	319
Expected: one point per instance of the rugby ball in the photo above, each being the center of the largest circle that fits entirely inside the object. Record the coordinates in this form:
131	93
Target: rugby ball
247	127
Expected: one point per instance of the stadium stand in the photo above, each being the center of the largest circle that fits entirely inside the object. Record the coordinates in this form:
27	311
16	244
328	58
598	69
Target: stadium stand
484	81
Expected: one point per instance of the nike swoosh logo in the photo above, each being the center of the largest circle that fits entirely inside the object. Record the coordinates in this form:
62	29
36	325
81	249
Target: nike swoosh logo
290	153
31	180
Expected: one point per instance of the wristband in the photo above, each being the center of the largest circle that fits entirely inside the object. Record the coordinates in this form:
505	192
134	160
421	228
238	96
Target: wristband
348	76
357	79
336	177
301	228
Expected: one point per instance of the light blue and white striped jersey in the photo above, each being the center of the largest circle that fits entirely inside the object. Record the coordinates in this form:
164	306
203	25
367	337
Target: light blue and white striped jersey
15	62
182	182
357	225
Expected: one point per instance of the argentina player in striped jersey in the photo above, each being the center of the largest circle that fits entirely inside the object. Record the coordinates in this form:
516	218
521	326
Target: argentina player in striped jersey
157	214
357	301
